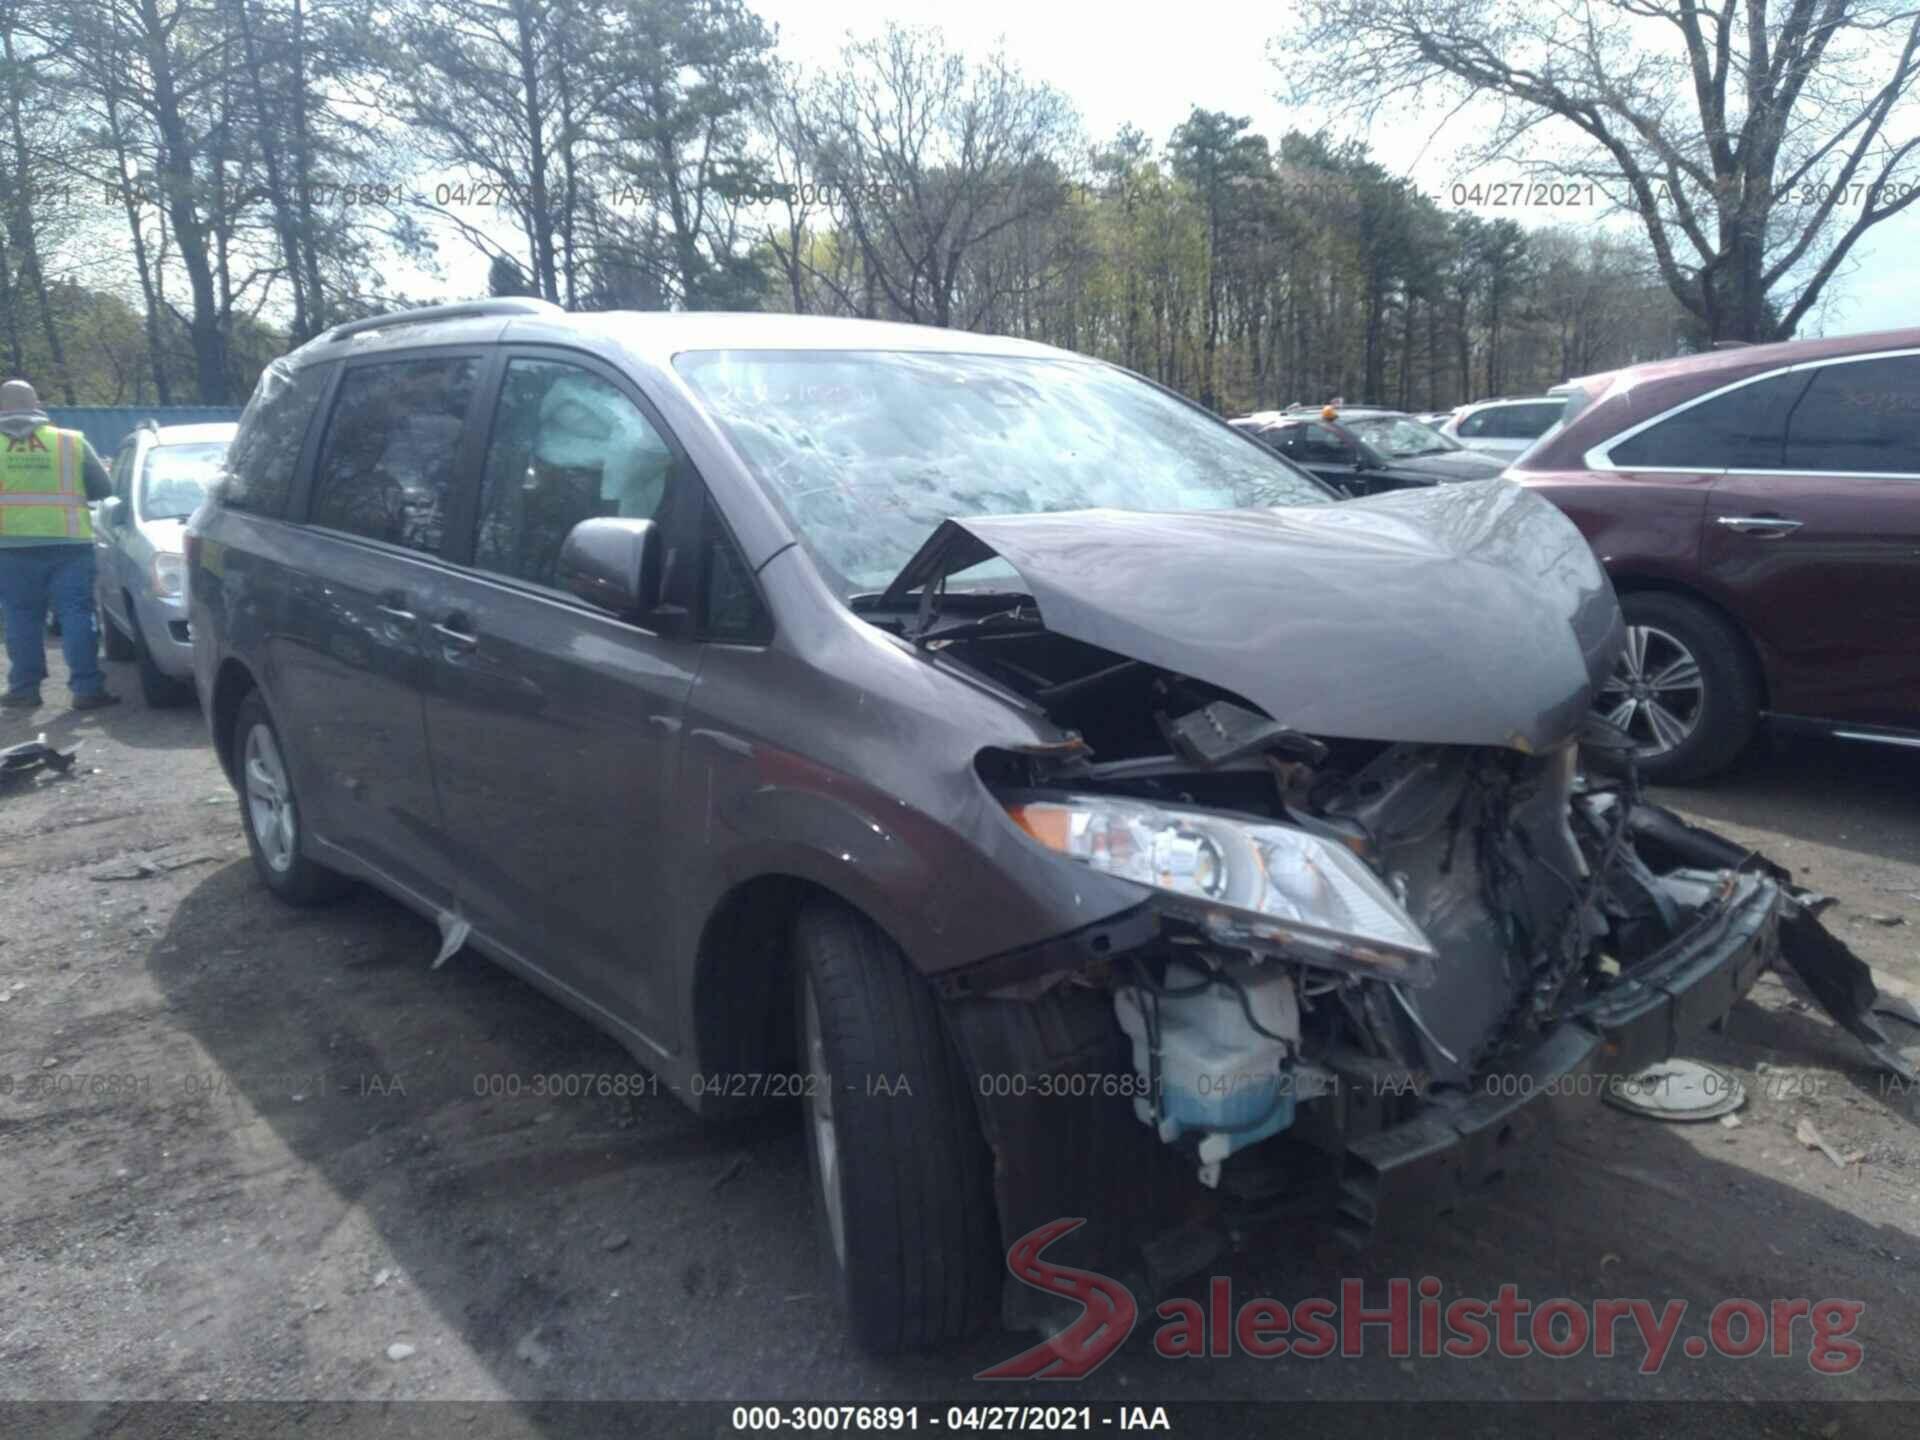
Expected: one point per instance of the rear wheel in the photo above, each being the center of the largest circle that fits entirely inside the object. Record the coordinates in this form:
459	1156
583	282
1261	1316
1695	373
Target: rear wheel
901	1173
270	812
1684	689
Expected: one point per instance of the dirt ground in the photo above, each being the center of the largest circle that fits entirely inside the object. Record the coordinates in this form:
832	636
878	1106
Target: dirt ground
247	1149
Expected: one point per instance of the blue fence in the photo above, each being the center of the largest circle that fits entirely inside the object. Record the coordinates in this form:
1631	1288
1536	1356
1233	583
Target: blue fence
105	426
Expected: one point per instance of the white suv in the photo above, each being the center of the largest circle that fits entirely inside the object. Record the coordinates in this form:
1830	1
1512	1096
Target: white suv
160	473
1506	428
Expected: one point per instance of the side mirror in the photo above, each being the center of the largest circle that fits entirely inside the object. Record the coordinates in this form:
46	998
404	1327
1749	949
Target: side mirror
613	563
110	511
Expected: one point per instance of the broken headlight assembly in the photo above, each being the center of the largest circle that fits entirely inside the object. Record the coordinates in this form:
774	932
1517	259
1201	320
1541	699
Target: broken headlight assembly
1244	882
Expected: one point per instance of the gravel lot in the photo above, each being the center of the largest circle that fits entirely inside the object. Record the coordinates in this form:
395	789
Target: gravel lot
246	1153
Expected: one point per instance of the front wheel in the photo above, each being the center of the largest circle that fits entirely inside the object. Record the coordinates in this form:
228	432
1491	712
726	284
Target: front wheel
160	690
270	812
901	1172
114	644
1684	689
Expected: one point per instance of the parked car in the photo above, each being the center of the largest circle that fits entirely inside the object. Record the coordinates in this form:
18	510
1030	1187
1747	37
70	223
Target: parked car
160	474
977	746
1758	510
1504	427
1367	451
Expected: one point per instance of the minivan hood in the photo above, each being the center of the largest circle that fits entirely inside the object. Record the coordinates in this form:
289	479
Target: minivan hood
1470	614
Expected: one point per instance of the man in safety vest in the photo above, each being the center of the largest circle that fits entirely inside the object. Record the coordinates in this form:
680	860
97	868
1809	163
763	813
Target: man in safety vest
46	550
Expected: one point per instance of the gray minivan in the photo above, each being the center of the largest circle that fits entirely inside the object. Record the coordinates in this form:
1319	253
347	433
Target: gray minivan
1053	792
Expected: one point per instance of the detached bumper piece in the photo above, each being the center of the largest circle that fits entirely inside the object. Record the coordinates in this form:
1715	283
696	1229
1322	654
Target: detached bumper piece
1833	975
1451	1148
1427	1163
19	761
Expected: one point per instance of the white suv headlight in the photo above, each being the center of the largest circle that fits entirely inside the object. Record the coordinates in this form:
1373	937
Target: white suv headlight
1247	882
169	575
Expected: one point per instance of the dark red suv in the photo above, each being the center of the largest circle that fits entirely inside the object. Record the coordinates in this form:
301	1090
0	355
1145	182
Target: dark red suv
1758	510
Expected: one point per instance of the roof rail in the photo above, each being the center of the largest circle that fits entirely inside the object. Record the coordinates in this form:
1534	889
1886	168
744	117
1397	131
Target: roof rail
462	310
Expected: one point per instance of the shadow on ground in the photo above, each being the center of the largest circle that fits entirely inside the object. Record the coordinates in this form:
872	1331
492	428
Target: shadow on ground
590	1245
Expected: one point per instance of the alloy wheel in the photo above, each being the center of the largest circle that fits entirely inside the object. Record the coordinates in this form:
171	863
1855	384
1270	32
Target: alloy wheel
820	1124
270	799
1656	693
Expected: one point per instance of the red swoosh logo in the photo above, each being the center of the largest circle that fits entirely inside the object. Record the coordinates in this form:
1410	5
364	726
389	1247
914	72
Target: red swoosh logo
1108	1312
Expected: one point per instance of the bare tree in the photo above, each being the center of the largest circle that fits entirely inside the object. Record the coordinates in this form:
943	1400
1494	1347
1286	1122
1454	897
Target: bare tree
1755	144
159	77
927	157
478	85
789	140
680	114
29	175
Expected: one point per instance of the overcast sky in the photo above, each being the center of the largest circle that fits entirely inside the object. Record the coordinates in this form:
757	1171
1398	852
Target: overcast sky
1149	69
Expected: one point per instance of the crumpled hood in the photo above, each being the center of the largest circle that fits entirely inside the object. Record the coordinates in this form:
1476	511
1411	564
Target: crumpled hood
1470	614
21	423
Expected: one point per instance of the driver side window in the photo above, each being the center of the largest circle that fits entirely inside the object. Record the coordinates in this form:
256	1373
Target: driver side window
1325	446
122	475
566	446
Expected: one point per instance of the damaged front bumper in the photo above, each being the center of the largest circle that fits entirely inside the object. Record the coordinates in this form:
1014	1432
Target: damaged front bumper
1426	1163
1368	1140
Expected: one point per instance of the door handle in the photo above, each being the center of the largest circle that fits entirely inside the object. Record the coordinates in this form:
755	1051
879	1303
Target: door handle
454	634
393	605
1765	527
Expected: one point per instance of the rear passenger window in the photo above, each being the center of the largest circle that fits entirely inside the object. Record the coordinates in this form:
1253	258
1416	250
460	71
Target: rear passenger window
273	428
1859	417
1530	422
567	446
386	466
1740	430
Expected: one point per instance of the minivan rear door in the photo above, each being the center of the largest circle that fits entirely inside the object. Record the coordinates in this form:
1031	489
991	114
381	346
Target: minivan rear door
351	660
555	726
1821	543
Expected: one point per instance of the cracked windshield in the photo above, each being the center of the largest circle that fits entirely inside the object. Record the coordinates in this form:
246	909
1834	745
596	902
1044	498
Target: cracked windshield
868	452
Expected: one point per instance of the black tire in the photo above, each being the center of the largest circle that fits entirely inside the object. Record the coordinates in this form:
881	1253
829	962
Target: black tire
1727	708
921	1262
113	644
160	690
300	881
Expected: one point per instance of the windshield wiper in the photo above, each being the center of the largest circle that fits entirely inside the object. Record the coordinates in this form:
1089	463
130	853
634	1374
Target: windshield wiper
931	617
1022	618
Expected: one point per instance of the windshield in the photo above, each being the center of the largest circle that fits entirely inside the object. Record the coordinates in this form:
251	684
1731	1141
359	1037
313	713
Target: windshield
175	478
868	451
1400	437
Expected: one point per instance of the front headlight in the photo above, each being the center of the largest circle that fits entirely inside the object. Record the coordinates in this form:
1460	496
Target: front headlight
1247	882
169	575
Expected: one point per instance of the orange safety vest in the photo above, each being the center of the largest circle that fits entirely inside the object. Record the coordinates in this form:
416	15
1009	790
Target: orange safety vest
42	492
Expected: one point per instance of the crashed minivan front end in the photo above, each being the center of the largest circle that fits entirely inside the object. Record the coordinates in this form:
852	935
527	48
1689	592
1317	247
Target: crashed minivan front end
1398	892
